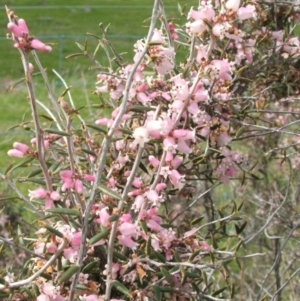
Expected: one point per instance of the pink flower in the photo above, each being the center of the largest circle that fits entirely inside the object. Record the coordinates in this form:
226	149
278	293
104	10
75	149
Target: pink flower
137	182
204	12
76	239
51	247
43	297
247	12
89	178
19	150
153	161
138	203
103	217
71	254
78	186
39	193
177	179
141	136
204	246
40	46
233	4
196	27
54	195
160	186
15	153
21	32
128	229
127	241
21	147
201	54
157	36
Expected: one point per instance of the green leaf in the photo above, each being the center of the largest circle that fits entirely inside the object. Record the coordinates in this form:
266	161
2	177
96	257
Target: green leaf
120	256
89	267
167	275
66	211
109	192
240	229
21	164
121	288
241	242
46	117
140	109
103	234
113	218
238	263
232	290
148	246
68	274
81	47
58	132
192	257
143	168
46	276
8	198
176	256
54	167
219	291
34	173
144	226
179	8
54	231
100	129
193	275
74	55
157	293
163	289
89	152
36	180
197	220
159	256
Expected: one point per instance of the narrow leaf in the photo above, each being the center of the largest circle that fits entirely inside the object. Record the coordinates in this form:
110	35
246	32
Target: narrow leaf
66	211
54	231
109	192
58	132
167	275
74	55
99	236
68	274
100	129
89	267
121	288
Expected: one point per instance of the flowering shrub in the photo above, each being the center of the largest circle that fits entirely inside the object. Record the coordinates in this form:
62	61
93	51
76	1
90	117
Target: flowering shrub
119	201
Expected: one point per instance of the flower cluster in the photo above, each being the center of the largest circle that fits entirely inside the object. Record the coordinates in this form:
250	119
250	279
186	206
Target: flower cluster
120	199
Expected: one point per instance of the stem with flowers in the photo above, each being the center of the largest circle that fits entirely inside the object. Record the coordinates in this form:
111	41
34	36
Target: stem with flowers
136	206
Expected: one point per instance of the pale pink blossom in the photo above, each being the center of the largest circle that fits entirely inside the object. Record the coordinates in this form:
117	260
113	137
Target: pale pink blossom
196	27
19	150
204	12
233	4
15	153
21	32
127	241
128	229
247	12
138	203
153	161
38	193
141	136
